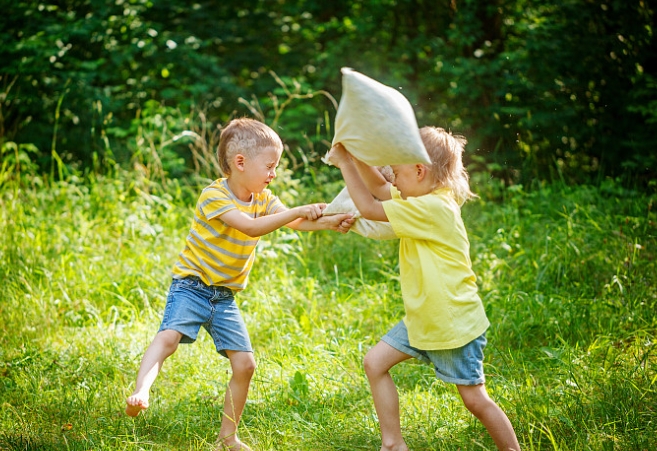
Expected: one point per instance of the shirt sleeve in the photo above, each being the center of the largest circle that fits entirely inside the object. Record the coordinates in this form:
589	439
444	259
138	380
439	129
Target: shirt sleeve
273	203
214	202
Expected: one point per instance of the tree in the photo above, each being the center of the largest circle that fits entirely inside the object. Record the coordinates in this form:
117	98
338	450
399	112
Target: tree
542	89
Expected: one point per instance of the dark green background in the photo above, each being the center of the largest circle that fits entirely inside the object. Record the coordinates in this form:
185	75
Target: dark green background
542	89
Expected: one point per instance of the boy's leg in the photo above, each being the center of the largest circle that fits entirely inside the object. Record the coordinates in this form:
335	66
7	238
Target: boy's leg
243	365
164	344
378	362
476	399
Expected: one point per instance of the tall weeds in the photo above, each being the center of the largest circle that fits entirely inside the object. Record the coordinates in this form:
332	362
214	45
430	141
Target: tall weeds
567	275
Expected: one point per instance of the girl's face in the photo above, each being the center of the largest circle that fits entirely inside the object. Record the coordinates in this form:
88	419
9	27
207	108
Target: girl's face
405	178
411	180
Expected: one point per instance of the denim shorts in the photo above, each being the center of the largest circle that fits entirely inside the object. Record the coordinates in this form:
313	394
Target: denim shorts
460	366
192	304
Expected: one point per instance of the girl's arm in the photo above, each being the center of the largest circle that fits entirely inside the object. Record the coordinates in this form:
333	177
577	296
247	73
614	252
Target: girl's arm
367	204
373	179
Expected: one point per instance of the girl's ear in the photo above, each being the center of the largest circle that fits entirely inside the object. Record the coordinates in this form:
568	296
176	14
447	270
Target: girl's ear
420	171
238	160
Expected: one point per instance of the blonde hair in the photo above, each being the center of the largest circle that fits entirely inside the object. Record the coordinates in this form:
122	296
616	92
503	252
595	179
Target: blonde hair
446	153
247	137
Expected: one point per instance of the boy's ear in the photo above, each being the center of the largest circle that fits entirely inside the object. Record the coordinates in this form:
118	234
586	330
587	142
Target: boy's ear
238	160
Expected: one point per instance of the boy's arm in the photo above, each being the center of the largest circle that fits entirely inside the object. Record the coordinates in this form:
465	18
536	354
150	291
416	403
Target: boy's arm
340	223
367	204
265	224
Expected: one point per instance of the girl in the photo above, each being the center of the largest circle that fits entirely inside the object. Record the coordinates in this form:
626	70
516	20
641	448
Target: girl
445	322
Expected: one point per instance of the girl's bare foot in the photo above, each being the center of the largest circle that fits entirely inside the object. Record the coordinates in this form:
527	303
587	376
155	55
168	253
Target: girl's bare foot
135	404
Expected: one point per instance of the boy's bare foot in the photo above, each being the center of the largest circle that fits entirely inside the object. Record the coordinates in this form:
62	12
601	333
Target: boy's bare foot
135	404
231	445
399	447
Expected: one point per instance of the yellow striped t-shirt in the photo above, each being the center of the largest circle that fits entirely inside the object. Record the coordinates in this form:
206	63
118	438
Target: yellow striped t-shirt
215	252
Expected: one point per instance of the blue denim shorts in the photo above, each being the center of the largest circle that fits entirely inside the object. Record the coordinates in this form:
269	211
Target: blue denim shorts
192	304
460	366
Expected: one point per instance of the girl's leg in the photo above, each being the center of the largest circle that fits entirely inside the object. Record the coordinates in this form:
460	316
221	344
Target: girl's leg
378	362
243	365
164	344
495	421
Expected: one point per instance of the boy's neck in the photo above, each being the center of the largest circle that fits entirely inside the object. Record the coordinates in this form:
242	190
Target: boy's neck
238	189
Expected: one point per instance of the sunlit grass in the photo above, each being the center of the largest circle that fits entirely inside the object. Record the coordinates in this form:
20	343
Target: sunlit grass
567	276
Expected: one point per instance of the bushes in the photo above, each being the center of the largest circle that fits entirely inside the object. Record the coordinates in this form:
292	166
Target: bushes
543	90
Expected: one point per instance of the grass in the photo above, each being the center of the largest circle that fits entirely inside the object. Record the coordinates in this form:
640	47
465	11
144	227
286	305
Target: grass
567	275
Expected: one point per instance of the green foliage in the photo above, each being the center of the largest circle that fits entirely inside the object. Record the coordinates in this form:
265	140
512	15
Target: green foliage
16	161
589	252
566	274
544	90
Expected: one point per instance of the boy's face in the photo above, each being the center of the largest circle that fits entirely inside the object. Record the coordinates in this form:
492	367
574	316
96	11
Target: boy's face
260	169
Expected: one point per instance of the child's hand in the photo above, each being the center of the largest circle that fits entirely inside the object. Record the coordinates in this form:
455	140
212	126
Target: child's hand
311	211
338	155
346	221
340	223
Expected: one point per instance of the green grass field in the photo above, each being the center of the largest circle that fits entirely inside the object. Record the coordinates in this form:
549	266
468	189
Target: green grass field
567	275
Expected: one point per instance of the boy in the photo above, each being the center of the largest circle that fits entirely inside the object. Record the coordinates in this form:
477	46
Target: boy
230	216
445	321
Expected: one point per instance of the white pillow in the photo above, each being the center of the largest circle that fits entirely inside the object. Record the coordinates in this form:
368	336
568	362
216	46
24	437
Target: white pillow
376	123
378	230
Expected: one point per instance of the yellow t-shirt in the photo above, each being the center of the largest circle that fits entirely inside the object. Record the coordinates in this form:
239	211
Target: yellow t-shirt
214	251
443	308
